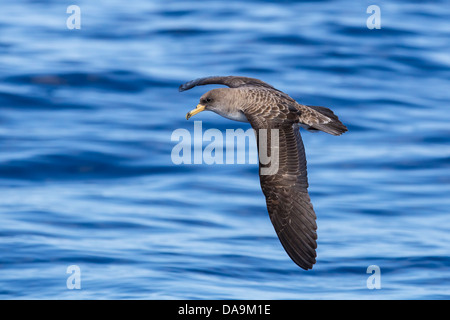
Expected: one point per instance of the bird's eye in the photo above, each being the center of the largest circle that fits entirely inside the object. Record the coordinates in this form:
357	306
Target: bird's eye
208	99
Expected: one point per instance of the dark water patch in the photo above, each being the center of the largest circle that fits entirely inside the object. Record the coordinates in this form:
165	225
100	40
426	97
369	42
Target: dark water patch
15	100
176	12
118	80
290	40
386	32
255	70
197	223
185	32
87	165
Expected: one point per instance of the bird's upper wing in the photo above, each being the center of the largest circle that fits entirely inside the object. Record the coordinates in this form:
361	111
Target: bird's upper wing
288	202
230	81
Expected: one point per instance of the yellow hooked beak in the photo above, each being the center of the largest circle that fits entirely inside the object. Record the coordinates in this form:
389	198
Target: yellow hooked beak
198	109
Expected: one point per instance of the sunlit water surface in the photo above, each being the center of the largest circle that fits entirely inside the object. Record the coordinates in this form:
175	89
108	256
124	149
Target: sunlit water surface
87	179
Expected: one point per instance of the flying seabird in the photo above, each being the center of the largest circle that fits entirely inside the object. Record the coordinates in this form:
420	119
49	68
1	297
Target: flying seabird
266	108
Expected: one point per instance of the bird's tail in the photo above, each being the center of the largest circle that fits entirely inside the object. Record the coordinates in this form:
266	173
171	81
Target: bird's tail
334	127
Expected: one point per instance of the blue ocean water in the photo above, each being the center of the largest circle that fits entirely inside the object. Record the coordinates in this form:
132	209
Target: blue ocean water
87	179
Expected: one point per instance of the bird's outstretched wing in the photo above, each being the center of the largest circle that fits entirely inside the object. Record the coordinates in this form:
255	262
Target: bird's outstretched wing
230	81
288	202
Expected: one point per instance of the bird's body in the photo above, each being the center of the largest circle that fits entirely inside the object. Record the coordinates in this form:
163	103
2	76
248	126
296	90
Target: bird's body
268	110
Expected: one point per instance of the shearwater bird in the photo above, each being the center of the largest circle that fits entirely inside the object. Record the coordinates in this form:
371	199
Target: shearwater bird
286	189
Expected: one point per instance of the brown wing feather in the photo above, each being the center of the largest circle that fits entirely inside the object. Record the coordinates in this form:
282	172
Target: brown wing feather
230	81
288	202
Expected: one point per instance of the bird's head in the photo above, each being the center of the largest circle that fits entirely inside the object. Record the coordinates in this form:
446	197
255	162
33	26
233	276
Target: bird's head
215	100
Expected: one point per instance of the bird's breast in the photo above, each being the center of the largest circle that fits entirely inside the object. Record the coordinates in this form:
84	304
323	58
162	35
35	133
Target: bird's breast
235	115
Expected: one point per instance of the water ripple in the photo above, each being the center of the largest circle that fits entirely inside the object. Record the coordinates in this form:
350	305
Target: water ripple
86	118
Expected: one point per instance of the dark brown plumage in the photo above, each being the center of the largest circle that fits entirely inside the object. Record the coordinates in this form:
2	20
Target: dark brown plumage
264	107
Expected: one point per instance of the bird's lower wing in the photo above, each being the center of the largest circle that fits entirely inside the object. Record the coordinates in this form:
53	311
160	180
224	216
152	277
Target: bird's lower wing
288	202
